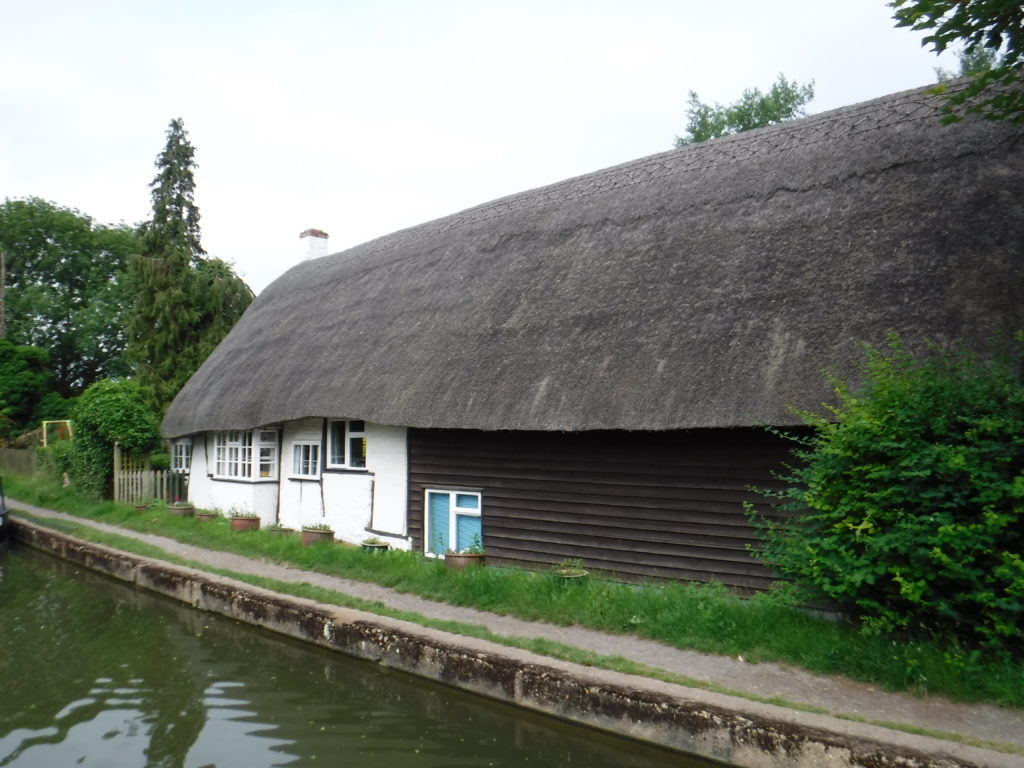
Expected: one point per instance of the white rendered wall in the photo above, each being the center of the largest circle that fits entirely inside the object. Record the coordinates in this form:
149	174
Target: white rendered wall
352	502
387	456
301	499
348	500
227	495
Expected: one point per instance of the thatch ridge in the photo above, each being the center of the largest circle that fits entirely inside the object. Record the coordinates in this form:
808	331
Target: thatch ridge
701	287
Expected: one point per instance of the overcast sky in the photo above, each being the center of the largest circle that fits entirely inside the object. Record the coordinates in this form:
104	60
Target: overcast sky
361	118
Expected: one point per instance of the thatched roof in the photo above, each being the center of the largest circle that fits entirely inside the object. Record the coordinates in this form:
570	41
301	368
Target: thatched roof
707	286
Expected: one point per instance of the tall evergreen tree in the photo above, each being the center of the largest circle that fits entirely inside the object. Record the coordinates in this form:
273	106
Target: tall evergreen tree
184	302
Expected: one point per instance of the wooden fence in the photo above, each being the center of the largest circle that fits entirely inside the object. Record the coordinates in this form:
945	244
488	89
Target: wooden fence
139	486
135	482
18	461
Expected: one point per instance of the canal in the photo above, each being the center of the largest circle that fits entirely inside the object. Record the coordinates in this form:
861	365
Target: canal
97	673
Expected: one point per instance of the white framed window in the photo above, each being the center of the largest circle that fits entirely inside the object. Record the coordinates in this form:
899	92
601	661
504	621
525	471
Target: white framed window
266	454
245	454
306	458
346	444
451	520
181	455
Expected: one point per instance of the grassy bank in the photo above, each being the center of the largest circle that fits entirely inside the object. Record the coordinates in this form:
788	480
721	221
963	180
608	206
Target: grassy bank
705	618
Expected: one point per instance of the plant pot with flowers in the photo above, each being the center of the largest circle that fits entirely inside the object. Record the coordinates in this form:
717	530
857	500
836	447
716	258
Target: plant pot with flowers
472	556
245	521
312	534
206	515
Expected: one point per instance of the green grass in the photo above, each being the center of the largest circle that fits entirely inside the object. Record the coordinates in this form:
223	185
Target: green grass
700	617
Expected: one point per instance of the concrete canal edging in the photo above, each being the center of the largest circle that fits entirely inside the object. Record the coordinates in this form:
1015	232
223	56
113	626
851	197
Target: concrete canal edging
726	728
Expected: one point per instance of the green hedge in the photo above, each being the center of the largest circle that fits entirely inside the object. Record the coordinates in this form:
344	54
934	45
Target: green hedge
908	502
107	412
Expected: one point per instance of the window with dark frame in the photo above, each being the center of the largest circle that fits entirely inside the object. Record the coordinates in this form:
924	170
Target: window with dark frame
346	444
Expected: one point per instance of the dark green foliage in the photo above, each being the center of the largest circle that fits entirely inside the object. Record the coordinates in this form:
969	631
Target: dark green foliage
184	303
220	299
783	101
55	460
53	406
65	289
24	381
983	27
108	412
175	222
909	499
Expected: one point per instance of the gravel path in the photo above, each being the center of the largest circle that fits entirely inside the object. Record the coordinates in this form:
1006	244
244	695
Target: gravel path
836	695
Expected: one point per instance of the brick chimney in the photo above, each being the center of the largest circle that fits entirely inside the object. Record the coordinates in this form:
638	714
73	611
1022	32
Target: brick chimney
314	244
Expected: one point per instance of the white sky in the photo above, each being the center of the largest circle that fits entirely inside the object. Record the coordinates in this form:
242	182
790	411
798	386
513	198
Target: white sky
361	118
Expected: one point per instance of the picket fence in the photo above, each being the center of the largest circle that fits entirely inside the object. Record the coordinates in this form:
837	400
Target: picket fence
136	483
141	486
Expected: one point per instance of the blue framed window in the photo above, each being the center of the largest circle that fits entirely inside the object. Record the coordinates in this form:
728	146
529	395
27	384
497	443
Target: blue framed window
452	521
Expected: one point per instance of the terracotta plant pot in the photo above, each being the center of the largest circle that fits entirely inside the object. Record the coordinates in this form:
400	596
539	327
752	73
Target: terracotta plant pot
280	531
459	561
141	507
311	536
377	546
245	523
206	517
182	510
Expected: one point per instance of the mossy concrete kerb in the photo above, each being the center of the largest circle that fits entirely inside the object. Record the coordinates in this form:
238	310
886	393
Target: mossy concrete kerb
712	725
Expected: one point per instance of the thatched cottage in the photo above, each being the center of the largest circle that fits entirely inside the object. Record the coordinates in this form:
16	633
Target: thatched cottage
581	370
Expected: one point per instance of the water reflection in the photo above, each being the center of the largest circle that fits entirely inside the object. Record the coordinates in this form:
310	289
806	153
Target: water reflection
98	674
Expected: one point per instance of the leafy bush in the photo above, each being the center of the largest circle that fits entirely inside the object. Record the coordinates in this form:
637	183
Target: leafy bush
108	412
55	460
908	501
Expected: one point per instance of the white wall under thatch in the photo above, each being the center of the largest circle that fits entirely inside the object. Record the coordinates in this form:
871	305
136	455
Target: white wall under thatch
354	503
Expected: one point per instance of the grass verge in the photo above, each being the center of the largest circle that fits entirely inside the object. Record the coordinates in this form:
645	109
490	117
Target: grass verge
701	617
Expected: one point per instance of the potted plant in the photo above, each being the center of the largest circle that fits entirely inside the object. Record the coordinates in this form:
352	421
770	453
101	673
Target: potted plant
373	544
142	506
571	569
471	556
182	508
244	521
311	534
277	528
206	515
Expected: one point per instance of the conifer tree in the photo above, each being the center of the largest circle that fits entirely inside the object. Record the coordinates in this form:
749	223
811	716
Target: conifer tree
184	302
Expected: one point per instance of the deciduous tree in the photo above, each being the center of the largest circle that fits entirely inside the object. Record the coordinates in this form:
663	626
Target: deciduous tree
996	91
783	101
65	289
